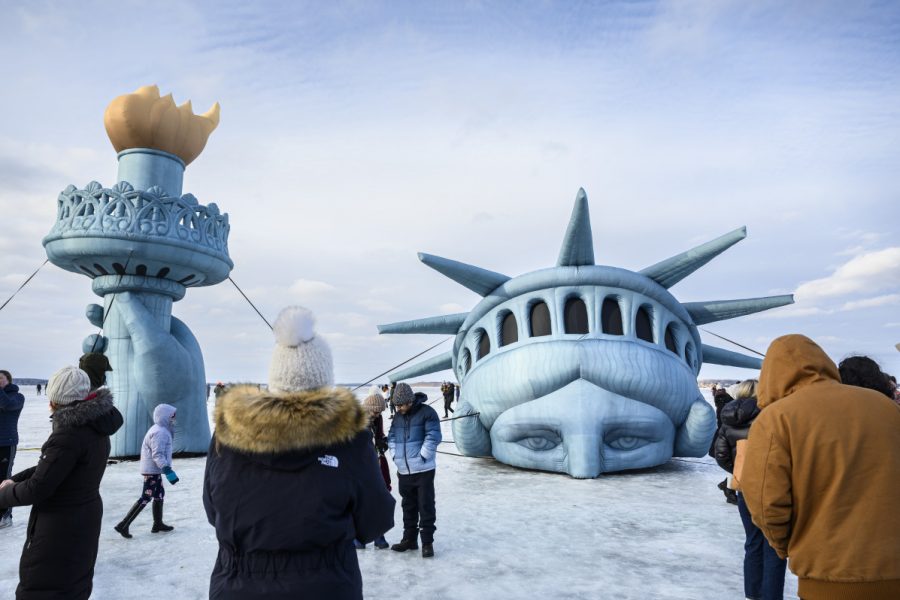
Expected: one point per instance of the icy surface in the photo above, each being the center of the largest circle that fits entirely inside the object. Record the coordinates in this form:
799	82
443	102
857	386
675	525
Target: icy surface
502	533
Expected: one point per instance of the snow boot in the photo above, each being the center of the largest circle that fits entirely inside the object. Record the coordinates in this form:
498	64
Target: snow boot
410	541
381	543
427	550
133	512
359	545
158	524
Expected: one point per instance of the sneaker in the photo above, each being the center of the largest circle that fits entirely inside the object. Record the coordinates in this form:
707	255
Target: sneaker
427	551
359	545
381	543
6	522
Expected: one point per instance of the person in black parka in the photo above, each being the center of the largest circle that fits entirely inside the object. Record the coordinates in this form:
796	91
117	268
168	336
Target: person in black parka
292	479
763	569
64	491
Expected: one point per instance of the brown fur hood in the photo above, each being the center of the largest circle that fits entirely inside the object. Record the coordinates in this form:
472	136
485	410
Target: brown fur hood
261	422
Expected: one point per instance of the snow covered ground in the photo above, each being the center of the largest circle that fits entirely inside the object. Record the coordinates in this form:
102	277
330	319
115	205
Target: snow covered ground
503	533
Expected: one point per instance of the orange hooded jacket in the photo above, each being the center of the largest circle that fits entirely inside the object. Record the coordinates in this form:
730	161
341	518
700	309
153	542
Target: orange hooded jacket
821	475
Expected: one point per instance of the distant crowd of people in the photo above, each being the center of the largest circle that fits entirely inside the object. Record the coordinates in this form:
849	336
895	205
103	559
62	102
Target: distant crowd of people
811	449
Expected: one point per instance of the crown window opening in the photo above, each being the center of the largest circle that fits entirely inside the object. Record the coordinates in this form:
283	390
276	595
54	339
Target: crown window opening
689	355
670	340
484	344
611	317
643	324
465	361
540	319
509	330
575	316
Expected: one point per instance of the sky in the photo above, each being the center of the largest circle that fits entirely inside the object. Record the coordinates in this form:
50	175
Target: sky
355	134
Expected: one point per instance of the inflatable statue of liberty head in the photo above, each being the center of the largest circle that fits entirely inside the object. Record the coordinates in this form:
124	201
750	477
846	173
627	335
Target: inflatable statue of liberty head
582	368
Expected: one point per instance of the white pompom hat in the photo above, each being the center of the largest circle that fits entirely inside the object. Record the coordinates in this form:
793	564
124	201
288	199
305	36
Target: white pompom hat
301	359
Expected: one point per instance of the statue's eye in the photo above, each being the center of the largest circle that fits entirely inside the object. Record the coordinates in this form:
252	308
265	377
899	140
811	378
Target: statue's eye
541	442
626	442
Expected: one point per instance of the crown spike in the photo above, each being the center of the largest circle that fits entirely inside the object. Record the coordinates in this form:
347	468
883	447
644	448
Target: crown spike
578	244
720	356
441	362
710	311
446	324
481	281
672	270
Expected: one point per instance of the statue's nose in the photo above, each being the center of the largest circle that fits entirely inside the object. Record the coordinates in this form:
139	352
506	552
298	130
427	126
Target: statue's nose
584	456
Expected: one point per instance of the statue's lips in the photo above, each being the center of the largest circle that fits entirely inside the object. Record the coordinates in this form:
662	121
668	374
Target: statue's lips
628	368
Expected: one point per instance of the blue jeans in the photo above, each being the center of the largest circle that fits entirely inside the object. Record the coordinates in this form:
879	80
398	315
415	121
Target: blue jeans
763	570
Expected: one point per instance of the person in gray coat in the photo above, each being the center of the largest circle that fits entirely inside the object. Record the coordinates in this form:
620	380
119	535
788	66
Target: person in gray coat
156	461
413	441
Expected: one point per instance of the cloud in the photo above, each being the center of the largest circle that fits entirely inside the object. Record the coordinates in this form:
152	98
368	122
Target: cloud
305	289
872	302
870	272
451	308
378	306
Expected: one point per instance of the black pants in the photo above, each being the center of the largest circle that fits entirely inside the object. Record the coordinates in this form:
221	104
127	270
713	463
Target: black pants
447	403
7	456
417	492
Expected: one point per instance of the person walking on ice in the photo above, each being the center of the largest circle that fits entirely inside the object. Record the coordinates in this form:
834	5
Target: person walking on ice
156	461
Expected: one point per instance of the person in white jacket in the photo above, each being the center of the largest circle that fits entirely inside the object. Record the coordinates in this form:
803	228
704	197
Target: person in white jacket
156	461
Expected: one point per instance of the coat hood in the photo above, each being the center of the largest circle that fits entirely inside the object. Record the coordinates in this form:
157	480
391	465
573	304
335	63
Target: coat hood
791	362
11	388
162	415
264	422
740	413
97	411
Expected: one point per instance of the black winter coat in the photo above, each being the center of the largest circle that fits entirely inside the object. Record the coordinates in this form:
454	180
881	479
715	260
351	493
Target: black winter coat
64	491
291	479
737	416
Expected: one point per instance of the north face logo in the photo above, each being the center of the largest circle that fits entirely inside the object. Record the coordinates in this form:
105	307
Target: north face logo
328	460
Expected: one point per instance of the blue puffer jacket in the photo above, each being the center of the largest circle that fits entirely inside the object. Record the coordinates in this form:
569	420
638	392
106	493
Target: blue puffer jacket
11	403
414	438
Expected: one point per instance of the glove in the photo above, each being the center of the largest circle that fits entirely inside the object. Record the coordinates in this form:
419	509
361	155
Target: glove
170	475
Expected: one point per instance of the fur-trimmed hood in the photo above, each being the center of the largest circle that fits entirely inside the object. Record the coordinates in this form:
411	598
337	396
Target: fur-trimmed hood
263	422
97	411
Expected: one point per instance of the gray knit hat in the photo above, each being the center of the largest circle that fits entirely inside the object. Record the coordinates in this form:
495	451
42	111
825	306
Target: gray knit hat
403	394
68	385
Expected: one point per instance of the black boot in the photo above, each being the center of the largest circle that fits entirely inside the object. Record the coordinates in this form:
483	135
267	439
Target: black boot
158	524
427	541
409	542
133	512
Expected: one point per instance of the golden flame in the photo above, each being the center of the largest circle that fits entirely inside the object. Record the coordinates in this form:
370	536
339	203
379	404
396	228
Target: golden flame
144	120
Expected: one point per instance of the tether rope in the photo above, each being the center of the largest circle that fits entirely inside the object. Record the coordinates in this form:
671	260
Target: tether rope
24	284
